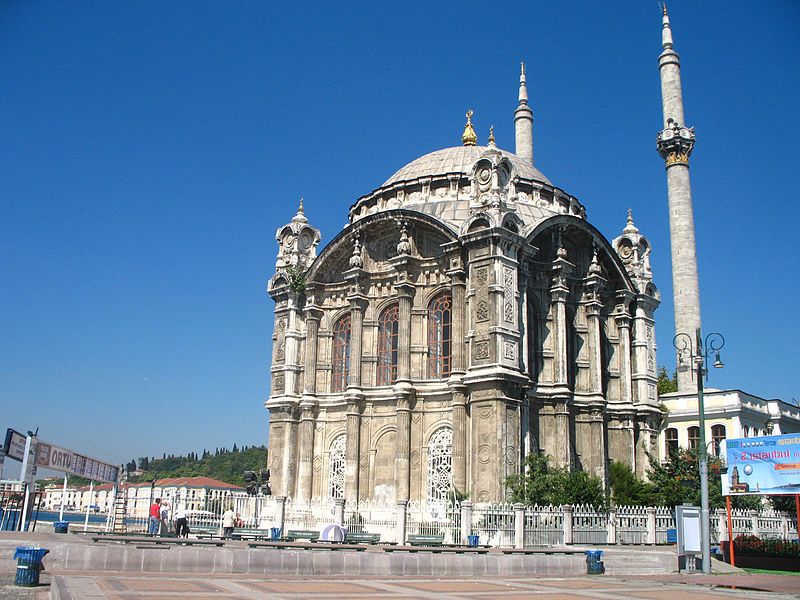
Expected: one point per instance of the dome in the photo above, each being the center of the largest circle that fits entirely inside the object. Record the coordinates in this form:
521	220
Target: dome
459	159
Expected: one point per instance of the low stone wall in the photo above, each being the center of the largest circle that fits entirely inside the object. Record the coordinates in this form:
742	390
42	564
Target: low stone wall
75	553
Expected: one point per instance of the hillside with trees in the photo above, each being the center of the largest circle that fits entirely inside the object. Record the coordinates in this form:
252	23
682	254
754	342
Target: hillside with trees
221	463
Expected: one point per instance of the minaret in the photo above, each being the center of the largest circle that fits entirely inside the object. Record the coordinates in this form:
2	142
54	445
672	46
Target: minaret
675	143
523	121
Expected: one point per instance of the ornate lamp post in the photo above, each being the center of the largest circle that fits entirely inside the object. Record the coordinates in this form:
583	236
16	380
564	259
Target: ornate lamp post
698	353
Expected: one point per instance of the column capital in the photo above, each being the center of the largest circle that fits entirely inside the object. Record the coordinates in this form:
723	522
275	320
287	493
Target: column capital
675	144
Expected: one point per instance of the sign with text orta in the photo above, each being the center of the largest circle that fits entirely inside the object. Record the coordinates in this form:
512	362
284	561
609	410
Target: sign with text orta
67	461
763	465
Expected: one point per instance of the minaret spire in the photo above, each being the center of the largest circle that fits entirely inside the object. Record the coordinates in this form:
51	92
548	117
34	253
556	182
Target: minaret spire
523	121
675	144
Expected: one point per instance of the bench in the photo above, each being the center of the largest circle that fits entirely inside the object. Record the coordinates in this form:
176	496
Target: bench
301	534
308	546
362	538
156	541
425	540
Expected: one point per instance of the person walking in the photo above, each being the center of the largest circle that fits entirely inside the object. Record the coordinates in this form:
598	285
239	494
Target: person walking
228	522
155	517
165	525
181	525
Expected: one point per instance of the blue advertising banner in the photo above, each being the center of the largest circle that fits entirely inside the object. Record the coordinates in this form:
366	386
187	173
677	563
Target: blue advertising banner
763	465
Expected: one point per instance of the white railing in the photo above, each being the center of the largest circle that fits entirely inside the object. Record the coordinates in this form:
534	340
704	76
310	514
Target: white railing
494	524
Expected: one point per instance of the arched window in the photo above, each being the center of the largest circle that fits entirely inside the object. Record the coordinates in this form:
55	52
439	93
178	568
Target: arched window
336	465
440	465
717	435
341	354
387	345
670	441
440	336
694	438
745	431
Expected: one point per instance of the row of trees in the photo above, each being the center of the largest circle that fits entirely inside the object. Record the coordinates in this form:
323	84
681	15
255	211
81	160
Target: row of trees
144	462
677	481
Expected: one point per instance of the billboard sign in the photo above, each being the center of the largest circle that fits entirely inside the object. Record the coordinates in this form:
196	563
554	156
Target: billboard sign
763	465
14	446
67	461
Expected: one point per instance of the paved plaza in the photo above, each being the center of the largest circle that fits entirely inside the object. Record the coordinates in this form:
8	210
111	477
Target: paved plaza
97	586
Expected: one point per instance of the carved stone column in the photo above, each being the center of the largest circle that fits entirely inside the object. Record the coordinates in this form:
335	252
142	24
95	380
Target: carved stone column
594	286
357	306
353	451
402	465
623	320
458	291
562	454
313	317
459	405
290	451
558	298
405	294
304	470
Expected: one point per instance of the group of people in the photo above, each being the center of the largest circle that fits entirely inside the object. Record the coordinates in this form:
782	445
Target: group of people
159	520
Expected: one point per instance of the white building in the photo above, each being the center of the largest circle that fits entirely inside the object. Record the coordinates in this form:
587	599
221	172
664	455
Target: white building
728	414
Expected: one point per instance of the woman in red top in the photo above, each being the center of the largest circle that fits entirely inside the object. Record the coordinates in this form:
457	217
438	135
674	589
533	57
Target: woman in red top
155	517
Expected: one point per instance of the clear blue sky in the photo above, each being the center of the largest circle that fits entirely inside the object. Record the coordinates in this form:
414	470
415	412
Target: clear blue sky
150	150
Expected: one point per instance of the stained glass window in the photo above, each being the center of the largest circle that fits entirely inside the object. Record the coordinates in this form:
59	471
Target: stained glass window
440	336
341	354
440	465
336	467
387	345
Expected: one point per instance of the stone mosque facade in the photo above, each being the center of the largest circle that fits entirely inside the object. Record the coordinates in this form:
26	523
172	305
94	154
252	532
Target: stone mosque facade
467	315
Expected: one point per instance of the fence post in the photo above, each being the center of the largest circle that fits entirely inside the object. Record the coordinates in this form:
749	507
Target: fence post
651	525
567	508
754	521
519	525
611	527
466	520
722	524
401	521
338	511
280	518
784	526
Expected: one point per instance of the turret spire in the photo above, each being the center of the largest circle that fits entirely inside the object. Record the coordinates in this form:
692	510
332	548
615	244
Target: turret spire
469	137
523	121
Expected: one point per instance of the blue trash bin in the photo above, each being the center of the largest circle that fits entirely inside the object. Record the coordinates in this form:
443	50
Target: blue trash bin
29	565
60	526
594	562
472	540
275	533
672	535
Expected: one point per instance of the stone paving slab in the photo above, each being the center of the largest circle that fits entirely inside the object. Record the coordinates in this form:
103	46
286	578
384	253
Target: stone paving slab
102	586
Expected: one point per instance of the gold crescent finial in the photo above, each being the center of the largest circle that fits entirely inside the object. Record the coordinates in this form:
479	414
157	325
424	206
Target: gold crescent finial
469	137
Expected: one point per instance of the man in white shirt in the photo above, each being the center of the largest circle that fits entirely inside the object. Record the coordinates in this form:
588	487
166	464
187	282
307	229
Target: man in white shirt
228	522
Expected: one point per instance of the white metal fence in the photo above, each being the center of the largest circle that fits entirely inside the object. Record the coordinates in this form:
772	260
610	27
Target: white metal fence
494	524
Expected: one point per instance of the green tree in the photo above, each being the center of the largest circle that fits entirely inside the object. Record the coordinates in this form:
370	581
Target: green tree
627	489
667	384
542	484
677	481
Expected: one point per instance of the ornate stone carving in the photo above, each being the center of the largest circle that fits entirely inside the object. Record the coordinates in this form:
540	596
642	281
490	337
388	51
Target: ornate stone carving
280	342
508	295
415	459
297	242
481	351
482	312
278	383
484	453
317	463
510	350
675	143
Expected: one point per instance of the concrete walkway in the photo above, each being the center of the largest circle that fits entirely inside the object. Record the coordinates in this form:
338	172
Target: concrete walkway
87	586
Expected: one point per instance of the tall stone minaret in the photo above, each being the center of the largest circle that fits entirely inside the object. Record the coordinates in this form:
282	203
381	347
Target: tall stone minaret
675	143
523	122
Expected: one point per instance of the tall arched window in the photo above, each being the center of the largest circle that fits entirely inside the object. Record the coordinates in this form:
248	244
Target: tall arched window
440	465
717	435
336	465
387	345
670	441
694	438
440	336
745	431
341	354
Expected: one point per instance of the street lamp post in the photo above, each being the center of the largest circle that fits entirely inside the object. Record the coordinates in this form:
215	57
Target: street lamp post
698	353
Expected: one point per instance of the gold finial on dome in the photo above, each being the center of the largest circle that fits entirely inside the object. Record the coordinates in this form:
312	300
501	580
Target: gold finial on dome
469	138
491	135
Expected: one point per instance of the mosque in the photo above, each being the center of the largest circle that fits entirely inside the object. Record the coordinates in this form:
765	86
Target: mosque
467	315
